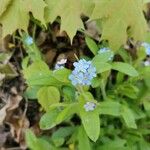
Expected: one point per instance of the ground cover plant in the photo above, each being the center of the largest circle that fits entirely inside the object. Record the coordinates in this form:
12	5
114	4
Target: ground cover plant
75	75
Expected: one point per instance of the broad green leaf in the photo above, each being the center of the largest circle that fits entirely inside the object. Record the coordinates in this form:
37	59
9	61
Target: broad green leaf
100	62
128	117
102	57
63	132
38	73
67	112
91	45
31	92
4	5
30	139
116	144
116	20
84	142
16	17
62	75
48	120
58	137
124	54
48	95
125	68
36	143
91	123
68	93
109	108
87	7
84	97
56	116
90	119
146	1
102	67
32	5
69	11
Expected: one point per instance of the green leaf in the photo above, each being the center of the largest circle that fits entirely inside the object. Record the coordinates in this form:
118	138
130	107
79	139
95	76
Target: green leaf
84	142
125	68
32	5
62	75
59	136
102	57
48	120
91	123
146	1
67	112
116	144
128	117
70	17
38	73
109	108
20	9
36	143
11	24
100	62
116	21
56	116
48	95
31	92
63	132
4	5
90	119
102	67
91	45
30	139
68	93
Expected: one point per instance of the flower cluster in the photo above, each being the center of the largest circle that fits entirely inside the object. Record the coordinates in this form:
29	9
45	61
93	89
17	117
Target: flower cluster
29	40
104	50
83	73
89	106
147	47
60	64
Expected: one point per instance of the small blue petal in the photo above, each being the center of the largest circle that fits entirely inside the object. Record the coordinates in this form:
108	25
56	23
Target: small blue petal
83	73
147	48
29	40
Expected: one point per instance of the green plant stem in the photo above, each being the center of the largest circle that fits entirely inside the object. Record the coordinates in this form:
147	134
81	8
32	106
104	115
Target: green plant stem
98	93
103	89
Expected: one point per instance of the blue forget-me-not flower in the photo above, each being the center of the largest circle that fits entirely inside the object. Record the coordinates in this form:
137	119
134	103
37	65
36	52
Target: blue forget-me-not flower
147	47
89	106
83	73
29	40
104	50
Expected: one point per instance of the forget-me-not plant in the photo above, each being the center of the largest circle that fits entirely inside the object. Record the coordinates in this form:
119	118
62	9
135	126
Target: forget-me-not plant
83	73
